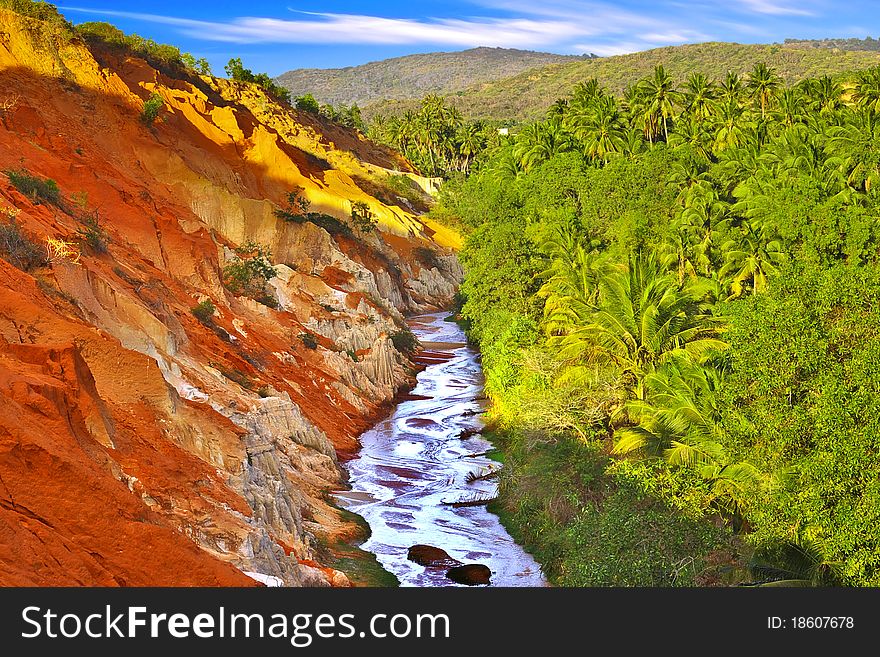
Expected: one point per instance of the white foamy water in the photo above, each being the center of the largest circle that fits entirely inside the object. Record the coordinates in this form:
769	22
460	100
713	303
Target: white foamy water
414	461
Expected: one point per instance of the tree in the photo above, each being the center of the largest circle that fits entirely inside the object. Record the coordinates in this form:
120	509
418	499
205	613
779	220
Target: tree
659	97
307	103
763	83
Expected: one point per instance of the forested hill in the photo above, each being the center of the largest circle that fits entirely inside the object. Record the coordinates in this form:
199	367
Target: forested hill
527	95
414	76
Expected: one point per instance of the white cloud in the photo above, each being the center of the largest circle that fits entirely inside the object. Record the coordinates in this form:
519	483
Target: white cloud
328	28
776	7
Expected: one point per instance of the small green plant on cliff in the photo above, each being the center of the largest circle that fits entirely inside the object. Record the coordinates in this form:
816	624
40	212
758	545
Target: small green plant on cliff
307	103
35	188
92	235
309	340
41	11
297	209
236	71
204	312
152	108
428	257
405	341
249	272
362	217
17	249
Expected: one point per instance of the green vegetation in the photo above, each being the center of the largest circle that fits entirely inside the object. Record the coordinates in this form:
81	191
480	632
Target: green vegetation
405	341
36	188
249	272
435	138
297	211
362	217
526	95
413	76
18	249
160	55
204	312
152	107
307	103
236	71
91	234
41	11
675	294
309	340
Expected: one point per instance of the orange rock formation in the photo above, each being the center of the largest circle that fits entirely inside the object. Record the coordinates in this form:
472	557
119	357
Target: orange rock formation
139	446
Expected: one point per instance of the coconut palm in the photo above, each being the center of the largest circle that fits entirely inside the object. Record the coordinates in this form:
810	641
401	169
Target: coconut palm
643	318
763	82
699	97
659	96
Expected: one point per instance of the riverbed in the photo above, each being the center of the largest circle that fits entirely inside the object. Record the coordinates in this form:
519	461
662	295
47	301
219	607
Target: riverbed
414	465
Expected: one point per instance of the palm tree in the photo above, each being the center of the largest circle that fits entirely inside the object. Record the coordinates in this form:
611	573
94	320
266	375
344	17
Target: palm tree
752	259
699	97
852	150
762	84
642	319
471	142
729	131
867	90
730	89
659	97
599	129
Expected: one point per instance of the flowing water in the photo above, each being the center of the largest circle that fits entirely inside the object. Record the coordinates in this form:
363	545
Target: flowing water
413	464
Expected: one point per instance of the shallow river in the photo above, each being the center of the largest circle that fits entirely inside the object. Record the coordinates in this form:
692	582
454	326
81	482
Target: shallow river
413	464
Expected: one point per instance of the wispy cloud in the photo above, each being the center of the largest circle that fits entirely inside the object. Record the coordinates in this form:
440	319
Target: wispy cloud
776	7
327	28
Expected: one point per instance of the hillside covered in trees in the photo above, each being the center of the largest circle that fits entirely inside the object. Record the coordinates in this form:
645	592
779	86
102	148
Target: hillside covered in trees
526	95
414	76
675	291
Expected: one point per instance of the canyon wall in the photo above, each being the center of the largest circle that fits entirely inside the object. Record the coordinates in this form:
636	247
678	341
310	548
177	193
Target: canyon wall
138	444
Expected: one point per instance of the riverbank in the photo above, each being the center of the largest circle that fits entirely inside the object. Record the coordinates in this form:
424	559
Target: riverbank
417	464
590	521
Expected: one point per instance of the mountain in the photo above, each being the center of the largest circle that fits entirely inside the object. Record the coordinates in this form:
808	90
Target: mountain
415	75
167	415
527	95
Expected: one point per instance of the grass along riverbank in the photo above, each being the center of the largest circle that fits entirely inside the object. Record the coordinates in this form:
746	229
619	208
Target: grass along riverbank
591	522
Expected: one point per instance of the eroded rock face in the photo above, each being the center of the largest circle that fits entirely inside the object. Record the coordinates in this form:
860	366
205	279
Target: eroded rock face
139	445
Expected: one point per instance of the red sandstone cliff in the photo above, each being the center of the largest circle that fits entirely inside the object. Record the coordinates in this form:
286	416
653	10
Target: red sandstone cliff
139	446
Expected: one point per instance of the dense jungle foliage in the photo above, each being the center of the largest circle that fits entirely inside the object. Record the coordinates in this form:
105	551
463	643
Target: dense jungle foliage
677	296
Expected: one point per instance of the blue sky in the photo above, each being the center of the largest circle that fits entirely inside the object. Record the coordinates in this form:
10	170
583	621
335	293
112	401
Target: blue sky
275	36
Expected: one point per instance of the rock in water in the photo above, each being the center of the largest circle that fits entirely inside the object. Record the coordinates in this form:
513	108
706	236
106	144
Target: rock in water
472	574
428	555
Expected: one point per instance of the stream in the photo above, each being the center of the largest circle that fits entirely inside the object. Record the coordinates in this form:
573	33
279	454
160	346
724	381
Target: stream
413	464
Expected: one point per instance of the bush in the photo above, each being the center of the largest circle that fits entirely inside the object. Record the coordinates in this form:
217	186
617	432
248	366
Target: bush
362	217
204	312
159	55
428	257
36	188
309	340
405	341
297	209
152	107
307	103
42	11
18	250
249	272
236	71
92	235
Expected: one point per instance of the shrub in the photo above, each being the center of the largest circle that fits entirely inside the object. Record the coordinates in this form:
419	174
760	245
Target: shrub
309	340
362	217
297	209
428	257
152	107
250	270
18	250
405	341
204	312
236	71
92	235
307	103
42	11
351	354
36	188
